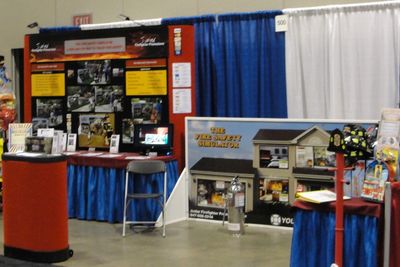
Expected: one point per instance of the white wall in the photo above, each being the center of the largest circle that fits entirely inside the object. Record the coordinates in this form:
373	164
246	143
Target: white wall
16	14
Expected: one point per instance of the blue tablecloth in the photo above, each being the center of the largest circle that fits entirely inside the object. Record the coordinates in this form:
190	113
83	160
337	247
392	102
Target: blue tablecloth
97	193
313	241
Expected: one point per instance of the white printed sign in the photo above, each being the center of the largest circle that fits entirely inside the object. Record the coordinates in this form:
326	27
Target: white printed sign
114	143
181	75
281	23
94	46
182	101
71	142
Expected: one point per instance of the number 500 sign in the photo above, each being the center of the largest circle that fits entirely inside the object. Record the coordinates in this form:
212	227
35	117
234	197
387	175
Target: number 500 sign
281	23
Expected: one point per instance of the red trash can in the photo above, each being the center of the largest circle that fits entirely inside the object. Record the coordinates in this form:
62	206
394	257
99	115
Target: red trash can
35	208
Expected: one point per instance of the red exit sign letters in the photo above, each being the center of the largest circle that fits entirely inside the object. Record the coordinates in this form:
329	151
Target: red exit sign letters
82	19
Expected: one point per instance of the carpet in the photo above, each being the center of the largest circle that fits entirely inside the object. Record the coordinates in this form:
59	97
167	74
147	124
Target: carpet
6	261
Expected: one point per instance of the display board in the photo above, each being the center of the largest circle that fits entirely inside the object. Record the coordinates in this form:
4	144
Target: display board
96	77
107	81
274	160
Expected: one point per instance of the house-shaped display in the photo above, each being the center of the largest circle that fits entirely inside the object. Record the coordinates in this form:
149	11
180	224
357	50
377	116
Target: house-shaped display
284	161
289	156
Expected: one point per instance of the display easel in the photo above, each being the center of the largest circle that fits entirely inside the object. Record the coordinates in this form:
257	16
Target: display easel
339	228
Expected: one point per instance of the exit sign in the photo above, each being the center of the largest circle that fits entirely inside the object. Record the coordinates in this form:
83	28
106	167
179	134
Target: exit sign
82	19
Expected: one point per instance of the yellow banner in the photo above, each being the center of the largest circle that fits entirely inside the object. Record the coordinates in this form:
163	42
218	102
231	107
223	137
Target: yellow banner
149	82
48	84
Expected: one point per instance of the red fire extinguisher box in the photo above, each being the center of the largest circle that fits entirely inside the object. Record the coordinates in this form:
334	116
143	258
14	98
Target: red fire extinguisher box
35	207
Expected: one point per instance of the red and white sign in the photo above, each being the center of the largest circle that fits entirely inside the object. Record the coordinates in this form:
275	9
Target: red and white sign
47	67
82	19
92	46
150	63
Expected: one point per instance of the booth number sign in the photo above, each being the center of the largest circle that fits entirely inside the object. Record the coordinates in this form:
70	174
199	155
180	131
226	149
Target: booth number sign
281	23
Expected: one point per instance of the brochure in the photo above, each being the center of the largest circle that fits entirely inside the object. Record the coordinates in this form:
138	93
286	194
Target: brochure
319	196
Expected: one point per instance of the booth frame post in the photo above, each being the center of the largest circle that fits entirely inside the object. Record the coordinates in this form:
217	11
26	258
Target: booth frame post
388	213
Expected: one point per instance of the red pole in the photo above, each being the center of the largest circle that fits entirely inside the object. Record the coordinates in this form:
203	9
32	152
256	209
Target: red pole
339	210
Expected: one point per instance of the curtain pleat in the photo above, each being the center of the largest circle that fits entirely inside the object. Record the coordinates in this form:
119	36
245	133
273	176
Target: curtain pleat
342	62
97	193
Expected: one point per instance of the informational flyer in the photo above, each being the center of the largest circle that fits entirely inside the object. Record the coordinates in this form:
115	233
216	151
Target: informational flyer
182	101
181	75
146	82
48	84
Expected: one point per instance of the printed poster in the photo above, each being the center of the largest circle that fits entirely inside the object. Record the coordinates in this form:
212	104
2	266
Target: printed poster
48	84
146	82
17	133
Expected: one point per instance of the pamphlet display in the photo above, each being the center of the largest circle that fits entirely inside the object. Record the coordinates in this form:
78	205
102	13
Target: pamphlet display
387	147
385	167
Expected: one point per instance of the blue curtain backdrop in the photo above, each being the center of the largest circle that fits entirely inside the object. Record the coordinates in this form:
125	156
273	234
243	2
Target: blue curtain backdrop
240	65
313	245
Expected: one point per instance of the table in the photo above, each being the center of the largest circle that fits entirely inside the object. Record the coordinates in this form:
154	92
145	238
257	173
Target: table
96	185
314	234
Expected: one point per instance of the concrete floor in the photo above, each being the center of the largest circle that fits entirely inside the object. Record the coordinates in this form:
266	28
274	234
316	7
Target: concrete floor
188	243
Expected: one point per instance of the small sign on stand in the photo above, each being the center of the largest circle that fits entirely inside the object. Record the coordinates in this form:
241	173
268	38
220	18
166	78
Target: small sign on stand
71	142
114	143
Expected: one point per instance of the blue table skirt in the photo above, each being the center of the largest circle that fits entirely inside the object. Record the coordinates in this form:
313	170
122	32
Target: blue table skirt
313	241
97	193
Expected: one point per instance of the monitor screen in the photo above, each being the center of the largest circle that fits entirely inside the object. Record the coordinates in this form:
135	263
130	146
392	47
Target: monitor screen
153	136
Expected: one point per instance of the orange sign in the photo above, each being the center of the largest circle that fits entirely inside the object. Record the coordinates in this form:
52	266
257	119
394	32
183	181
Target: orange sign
47	67
150	63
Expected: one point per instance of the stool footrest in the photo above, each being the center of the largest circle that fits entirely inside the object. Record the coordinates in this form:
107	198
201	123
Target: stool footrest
141	222
144	195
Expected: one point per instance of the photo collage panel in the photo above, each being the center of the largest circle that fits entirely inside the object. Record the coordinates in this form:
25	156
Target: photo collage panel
95	86
95	130
143	110
47	113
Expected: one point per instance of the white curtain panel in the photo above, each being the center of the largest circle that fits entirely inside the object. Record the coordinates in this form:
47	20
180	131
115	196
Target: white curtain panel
342	62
